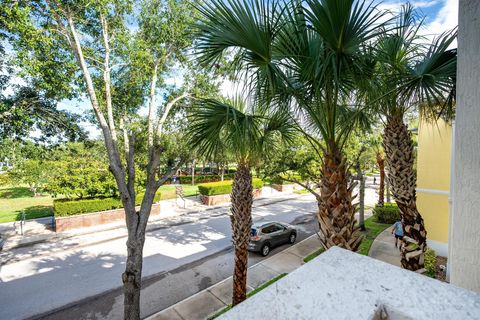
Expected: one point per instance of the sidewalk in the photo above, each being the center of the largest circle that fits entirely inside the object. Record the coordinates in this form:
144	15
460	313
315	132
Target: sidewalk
383	248
213	299
46	241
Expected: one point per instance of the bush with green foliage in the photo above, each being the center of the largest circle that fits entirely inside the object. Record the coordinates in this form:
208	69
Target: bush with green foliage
388	213
67	207
205	178
81	177
430	262
223	187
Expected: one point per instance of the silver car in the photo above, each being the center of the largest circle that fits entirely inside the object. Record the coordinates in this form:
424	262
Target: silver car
266	235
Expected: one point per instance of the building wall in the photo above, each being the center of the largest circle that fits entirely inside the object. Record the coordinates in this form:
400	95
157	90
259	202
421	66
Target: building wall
433	181
464	254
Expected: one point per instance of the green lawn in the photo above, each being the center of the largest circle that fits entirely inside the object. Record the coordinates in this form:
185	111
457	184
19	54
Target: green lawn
168	191
15	200
373	227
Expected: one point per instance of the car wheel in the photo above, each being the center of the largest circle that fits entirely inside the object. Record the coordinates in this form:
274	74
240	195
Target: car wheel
265	250
292	238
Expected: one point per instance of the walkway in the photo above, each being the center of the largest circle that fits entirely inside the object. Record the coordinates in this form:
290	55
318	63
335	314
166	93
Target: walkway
383	248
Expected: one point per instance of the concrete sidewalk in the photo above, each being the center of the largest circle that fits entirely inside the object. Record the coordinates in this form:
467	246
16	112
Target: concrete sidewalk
211	300
383	248
39	243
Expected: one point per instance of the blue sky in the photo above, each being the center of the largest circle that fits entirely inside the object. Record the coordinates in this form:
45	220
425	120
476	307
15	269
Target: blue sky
440	16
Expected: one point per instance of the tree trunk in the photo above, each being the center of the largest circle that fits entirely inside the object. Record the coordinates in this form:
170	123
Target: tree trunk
361	202
193	172
399	153
241	218
336	215
132	278
387	187
381	188
222	172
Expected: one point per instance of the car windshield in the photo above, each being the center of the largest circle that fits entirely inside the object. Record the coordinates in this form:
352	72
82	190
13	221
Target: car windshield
253	232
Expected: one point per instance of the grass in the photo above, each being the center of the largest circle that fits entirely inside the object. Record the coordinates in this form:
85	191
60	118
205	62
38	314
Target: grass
168	191
313	255
249	294
373	227
301	191
15	200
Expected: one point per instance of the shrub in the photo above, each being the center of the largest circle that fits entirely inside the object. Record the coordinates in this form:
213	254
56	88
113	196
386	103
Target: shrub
223	187
205	178
430	262
66	207
389	213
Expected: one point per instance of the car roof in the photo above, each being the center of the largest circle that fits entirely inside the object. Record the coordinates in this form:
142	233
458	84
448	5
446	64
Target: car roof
261	224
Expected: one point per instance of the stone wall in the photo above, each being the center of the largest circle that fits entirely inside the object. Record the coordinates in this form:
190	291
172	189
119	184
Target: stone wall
223	198
96	218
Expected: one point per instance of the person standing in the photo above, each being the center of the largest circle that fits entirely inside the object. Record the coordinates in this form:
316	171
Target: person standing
398	230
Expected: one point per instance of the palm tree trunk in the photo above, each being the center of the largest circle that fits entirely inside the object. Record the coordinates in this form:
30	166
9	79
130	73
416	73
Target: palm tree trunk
387	187
241	218
361	211
402	177
336	213
381	188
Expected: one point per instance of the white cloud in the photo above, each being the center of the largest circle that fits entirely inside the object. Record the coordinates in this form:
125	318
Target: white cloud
446	19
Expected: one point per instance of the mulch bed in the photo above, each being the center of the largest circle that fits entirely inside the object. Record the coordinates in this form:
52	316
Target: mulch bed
441	274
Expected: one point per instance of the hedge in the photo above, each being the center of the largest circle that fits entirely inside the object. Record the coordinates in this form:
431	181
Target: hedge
389	213
204	178
223	187
66	207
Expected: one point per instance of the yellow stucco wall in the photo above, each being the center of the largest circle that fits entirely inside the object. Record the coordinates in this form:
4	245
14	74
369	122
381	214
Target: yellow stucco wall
433	177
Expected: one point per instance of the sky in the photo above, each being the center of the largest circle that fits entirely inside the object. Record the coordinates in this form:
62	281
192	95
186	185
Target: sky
440	16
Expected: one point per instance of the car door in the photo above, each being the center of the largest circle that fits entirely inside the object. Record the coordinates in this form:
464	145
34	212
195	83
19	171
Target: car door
276	234
283	234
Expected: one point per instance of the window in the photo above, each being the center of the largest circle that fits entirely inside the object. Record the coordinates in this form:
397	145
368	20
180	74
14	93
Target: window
272	228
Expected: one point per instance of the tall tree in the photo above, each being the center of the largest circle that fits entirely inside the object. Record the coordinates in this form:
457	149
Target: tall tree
411	75
115	54
309	57
25	107
248	134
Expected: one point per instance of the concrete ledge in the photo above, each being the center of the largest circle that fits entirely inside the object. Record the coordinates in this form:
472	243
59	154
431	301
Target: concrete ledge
345	285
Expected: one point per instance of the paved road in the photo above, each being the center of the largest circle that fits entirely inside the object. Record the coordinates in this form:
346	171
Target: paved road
178	262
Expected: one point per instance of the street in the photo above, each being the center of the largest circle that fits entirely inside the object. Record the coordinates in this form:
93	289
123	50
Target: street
85	283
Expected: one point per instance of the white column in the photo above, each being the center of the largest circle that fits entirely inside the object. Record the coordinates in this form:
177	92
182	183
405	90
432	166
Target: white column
465	228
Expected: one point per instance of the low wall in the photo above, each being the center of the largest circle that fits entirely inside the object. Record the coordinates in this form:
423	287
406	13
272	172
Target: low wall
286	187
94	219
223	198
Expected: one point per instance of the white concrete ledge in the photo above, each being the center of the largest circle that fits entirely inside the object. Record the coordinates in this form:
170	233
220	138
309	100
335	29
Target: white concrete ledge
340	284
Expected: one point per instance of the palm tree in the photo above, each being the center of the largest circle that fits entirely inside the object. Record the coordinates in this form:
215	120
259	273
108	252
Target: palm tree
247	134
410	75
380	157
309	57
